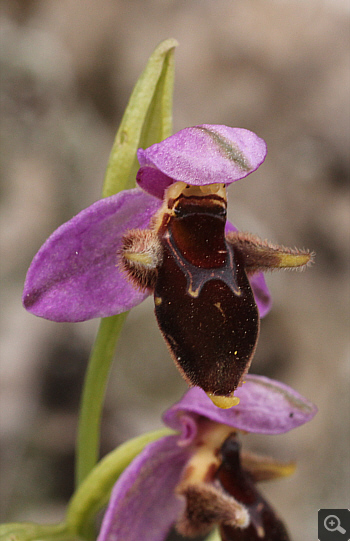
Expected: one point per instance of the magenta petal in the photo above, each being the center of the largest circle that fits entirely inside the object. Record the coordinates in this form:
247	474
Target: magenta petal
143	504
75	275
200	155
261	292
152	180
266	406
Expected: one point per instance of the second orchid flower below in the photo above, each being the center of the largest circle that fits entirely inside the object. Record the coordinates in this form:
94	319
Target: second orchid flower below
176	243
199	478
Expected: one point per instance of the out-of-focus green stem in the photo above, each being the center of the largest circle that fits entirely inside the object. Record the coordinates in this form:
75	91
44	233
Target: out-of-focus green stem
94	392
95	491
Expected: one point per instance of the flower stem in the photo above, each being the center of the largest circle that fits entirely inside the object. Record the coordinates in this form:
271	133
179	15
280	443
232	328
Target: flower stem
95	491
93	395
28	531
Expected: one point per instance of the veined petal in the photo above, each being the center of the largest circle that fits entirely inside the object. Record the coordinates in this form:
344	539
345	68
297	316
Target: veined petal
266	406
261	292
143	504
200	155
75	276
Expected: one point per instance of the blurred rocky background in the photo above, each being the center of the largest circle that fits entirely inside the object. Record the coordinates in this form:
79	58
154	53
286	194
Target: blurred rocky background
277	67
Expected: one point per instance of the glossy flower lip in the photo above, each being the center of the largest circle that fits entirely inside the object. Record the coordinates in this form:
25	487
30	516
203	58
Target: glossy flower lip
75	275
144	497
200	155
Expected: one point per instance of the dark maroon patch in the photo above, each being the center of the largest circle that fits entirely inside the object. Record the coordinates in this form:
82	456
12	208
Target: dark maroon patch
264	525
203	300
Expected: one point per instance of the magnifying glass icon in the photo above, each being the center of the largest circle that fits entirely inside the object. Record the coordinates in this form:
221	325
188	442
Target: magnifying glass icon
332	524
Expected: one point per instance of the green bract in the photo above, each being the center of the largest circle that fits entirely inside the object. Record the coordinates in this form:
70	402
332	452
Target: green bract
147	118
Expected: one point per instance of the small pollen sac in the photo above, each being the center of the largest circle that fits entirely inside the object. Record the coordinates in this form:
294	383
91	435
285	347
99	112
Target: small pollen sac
224	402
174	190
213	188
188	190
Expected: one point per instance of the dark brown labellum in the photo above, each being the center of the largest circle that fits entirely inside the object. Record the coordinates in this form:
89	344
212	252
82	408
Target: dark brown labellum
203	300
204	303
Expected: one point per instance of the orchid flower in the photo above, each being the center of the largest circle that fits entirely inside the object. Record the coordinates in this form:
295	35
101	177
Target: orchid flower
170	237
199	478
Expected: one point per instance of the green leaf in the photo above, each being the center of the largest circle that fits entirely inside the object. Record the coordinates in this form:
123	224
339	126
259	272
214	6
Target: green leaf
95	491
96	378
147	118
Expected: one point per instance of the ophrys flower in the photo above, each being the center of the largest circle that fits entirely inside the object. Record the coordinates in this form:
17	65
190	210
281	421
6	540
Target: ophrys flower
171	239
200	478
